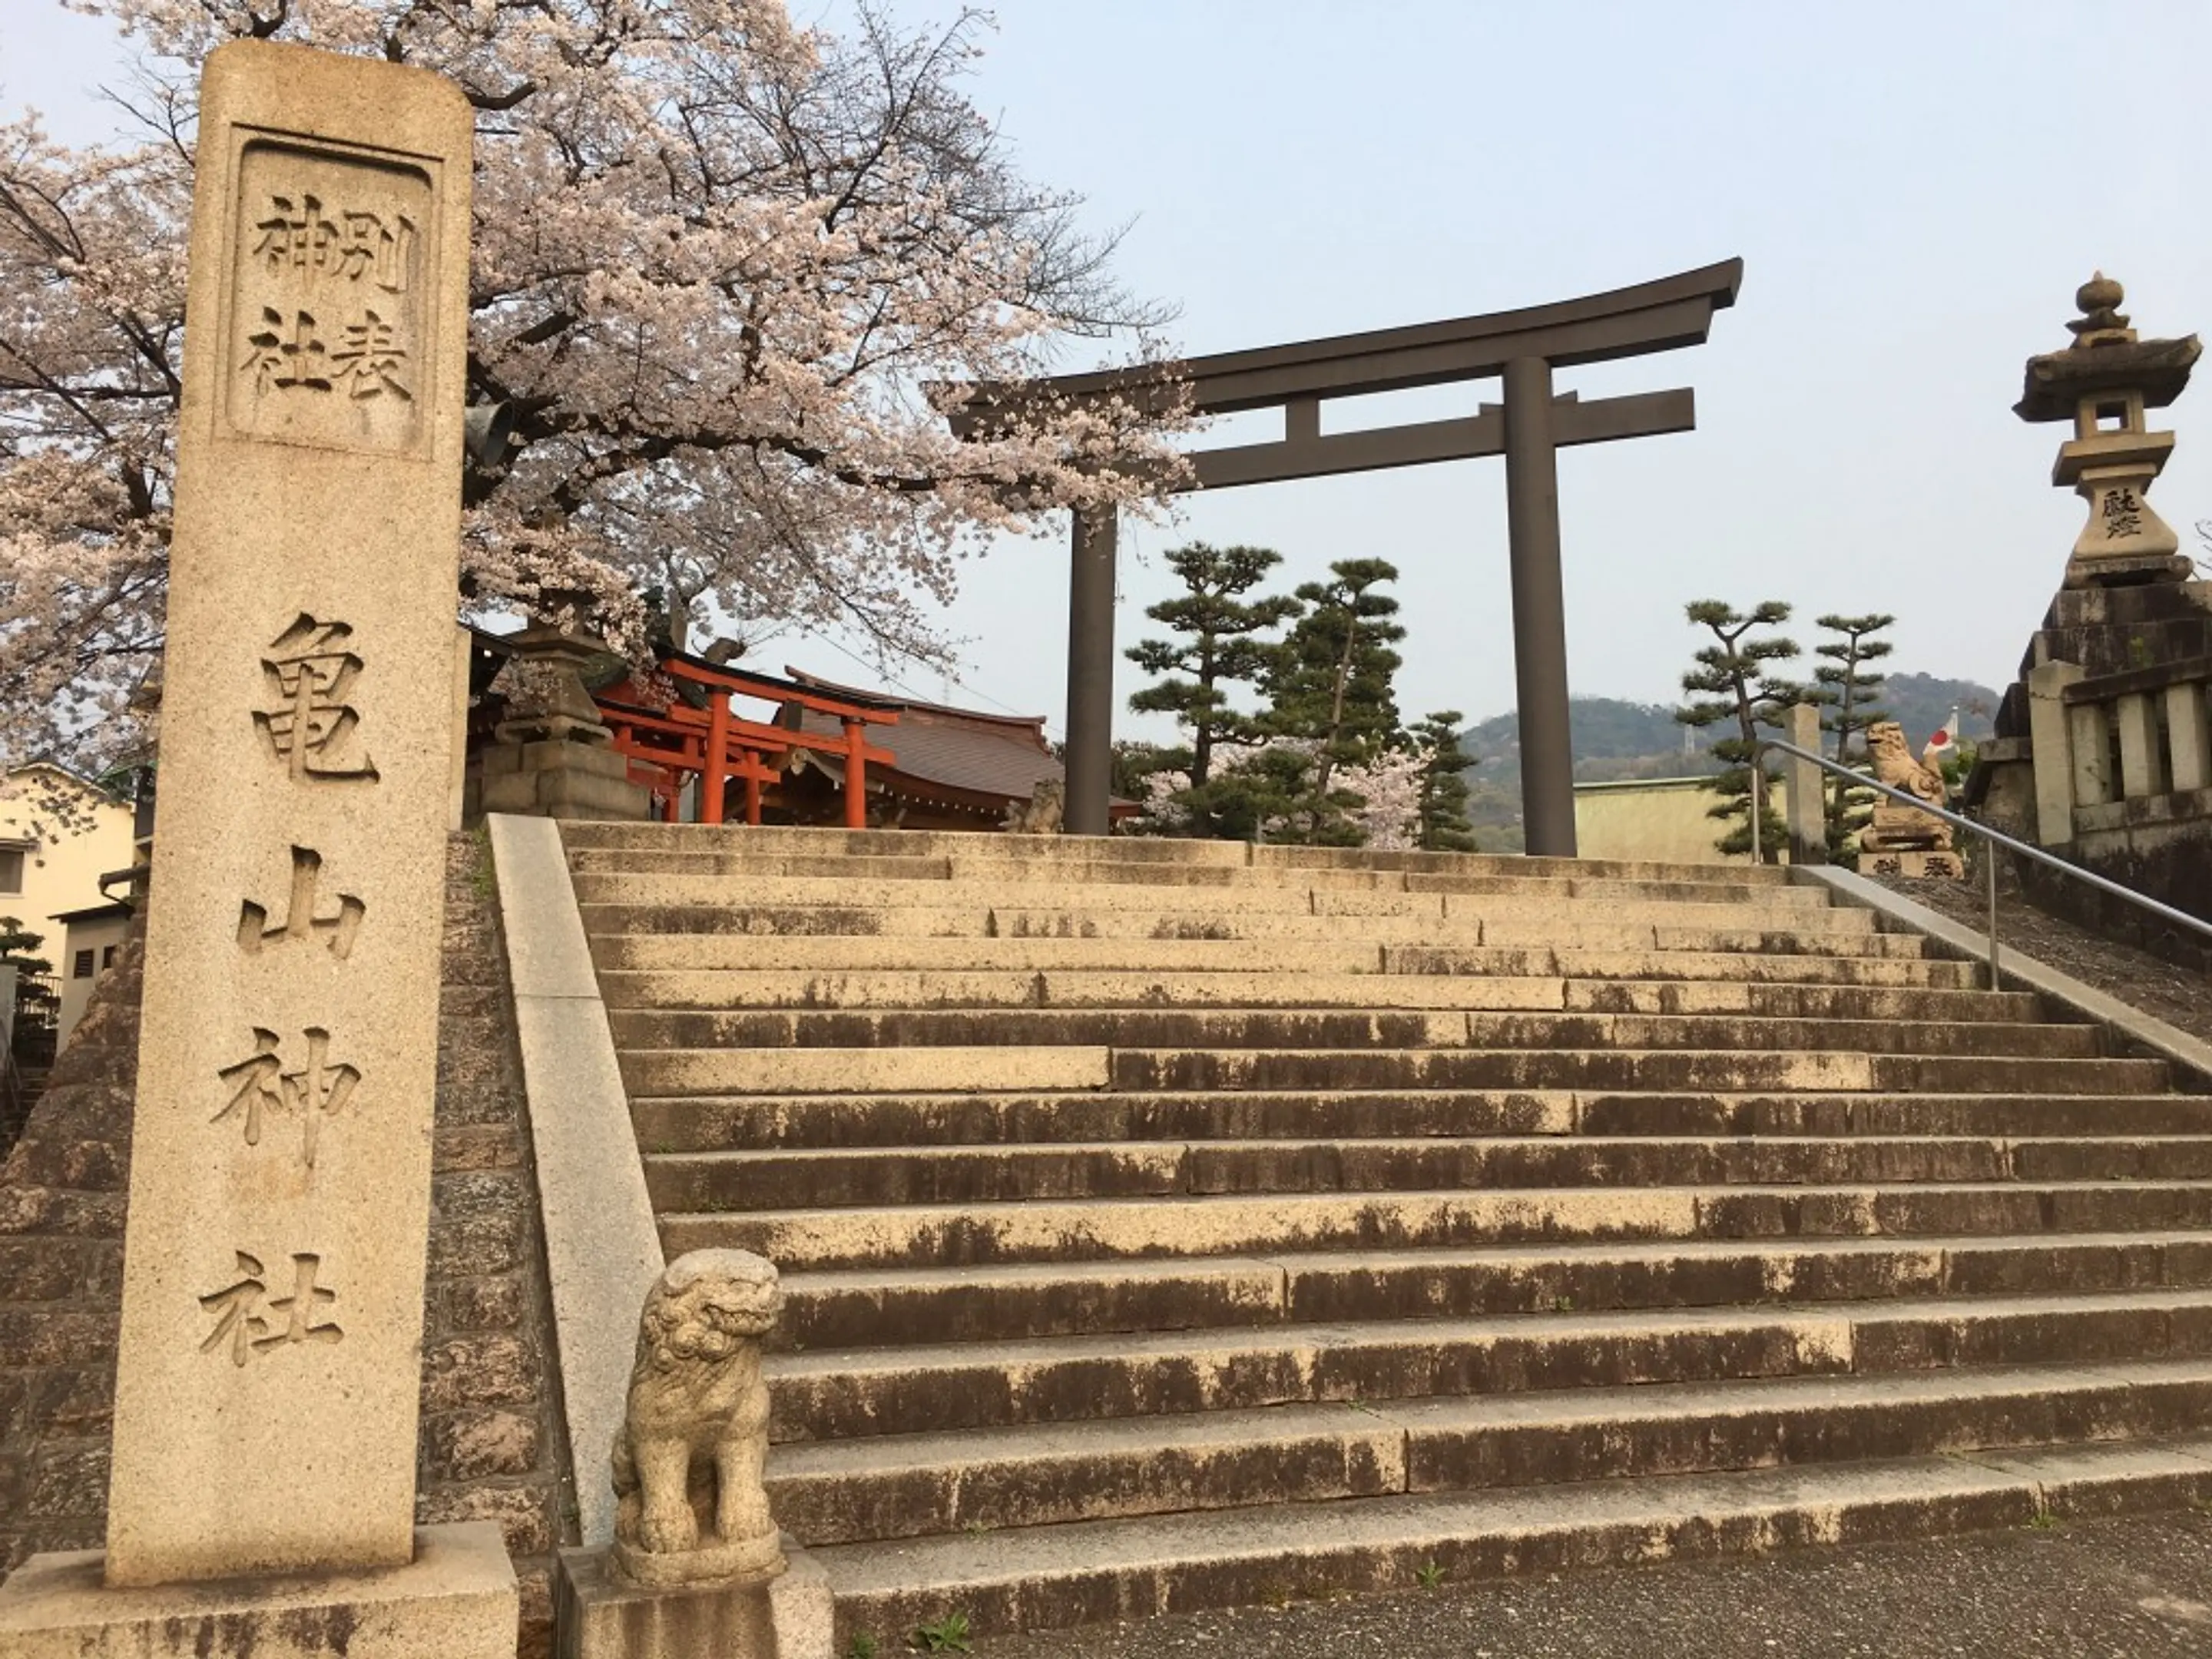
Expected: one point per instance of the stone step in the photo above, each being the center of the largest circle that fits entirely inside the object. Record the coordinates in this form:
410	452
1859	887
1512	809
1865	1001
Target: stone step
873	1308
983	1480
1040	1229
859	1392
791	1179
1043	1578
1813	932
859	1071
1902	961
1599	1069
1333	1028
681	1123
790	841
983	1069
1901	965
1716	890
1512	864
751	893
729	988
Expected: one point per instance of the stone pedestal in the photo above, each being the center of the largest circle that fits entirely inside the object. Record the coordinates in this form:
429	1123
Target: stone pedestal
553	757
559	778
1913	866
456	1596
597	1616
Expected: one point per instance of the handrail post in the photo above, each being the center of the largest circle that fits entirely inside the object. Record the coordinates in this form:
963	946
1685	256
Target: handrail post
1989	858
1757	804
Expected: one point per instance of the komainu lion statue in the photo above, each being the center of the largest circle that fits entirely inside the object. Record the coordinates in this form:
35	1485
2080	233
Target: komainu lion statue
687	1460
1041	814
1898	827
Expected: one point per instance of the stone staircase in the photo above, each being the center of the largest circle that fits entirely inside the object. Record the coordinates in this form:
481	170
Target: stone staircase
1170	1224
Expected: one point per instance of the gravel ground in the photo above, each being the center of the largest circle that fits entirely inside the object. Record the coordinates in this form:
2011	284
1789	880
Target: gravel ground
2171	992
2139	1587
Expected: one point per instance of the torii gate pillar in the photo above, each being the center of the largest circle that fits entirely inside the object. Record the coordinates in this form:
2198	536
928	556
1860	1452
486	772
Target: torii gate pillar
1539	611
1089	764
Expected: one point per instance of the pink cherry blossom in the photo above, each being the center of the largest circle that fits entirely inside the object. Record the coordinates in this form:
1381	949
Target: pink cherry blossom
728	272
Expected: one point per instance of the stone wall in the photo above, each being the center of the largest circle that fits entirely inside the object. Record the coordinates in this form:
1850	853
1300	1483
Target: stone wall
491	1444
492	1447
60	1274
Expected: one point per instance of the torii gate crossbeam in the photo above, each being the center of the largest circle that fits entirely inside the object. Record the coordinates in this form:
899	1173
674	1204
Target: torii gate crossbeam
1521	347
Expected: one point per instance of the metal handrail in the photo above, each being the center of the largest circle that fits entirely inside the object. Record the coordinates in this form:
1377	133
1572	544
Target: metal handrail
2164	912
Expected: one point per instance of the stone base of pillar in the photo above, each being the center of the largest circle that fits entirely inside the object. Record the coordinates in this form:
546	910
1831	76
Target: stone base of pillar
597	1616
2118	570
1913	867
456	1600
558	777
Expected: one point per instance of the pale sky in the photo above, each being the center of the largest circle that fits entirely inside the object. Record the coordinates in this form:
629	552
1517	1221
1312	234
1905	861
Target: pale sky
1916	191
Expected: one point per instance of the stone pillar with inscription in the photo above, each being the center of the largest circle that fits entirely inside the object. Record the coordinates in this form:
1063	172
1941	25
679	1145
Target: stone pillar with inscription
261	1495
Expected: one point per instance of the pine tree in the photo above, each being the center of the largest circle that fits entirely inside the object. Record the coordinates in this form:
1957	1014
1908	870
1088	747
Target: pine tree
1329	685
1851	689
36	1001
1852	686
1445	826
1264	797
1219	646
1741	688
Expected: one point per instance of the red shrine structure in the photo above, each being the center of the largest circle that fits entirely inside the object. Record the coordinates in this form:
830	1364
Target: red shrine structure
696	735
716	743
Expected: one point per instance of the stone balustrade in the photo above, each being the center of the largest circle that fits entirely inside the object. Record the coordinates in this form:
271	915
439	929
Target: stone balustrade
2118	753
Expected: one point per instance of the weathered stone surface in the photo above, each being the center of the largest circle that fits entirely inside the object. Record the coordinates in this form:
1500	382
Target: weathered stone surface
492	1446
527	1514
468	1444
791	1617
53	1420
687	1460
484	1369
500	1303
454	1595
1642	1186
273	1301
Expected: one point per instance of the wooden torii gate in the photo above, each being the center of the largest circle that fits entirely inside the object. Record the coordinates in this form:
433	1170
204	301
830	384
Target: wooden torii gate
1529	429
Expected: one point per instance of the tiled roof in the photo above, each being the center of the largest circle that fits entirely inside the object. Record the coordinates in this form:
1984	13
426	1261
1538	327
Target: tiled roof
950	752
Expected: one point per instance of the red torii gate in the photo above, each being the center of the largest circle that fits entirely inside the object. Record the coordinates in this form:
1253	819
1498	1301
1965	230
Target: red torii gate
715	744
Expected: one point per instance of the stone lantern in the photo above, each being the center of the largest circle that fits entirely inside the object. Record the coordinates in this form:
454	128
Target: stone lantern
2103	383
552	754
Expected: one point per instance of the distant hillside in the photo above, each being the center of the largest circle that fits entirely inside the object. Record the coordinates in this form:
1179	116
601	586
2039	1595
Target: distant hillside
1921	702
1615	740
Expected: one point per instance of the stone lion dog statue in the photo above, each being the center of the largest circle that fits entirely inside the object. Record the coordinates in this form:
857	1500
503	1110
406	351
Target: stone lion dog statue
1896	826
686	1460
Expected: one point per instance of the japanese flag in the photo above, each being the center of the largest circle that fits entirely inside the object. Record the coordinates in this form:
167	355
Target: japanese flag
1945	739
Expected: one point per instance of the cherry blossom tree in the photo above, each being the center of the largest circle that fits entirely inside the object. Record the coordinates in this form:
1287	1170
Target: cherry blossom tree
1389	788
727	273
1267	787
